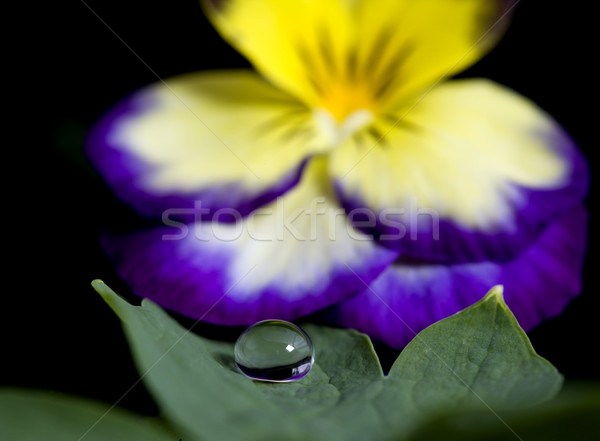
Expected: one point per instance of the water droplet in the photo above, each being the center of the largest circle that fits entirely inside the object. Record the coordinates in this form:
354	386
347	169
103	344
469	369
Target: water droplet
274	350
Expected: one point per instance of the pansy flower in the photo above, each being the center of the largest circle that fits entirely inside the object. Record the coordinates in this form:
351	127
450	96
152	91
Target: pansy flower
345	173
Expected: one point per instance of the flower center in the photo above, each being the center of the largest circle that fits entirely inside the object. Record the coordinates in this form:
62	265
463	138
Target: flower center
342	99
348	87
337	131
344	109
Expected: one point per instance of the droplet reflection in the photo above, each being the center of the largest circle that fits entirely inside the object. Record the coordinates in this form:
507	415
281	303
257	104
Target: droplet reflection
274	350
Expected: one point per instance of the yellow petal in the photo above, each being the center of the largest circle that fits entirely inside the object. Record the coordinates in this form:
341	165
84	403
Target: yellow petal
346	55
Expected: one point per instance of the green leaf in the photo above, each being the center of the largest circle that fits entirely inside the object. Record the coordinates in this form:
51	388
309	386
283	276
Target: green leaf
479	355
572	415
30	415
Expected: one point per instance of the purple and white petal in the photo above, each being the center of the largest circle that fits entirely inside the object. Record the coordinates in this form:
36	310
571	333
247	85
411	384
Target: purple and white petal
202	142
288	259
474	172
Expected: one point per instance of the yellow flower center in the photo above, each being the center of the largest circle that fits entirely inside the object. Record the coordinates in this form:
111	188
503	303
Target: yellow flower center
348	90
342	99
344	109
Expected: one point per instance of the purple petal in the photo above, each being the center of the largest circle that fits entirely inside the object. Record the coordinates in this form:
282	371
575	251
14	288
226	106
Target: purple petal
538	284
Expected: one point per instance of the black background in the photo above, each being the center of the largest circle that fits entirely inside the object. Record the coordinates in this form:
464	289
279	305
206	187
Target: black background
56	332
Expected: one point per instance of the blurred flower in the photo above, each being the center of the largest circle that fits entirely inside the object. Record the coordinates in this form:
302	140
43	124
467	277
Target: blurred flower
342	175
